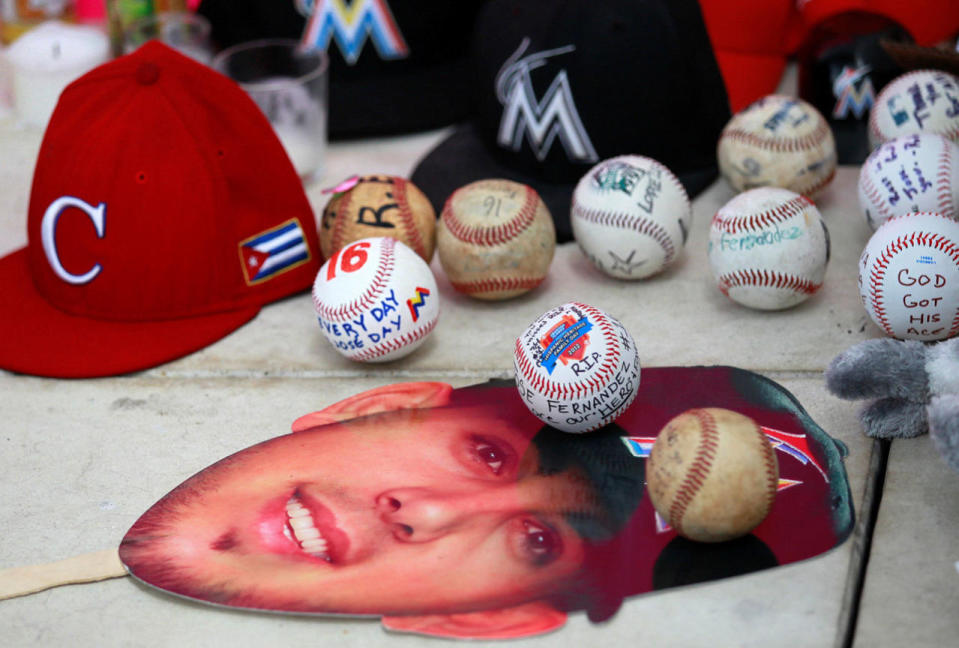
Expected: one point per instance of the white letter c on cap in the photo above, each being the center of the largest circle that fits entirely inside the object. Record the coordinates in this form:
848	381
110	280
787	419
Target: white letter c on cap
48	229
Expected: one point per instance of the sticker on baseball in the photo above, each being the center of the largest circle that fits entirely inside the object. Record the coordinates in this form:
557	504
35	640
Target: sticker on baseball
576	368
921	101
712	474
495	239
909	277
912	173
375	300
630	216
778	141
768	248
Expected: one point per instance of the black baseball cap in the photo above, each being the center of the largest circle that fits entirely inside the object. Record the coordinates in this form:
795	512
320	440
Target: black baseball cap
560	86
396	66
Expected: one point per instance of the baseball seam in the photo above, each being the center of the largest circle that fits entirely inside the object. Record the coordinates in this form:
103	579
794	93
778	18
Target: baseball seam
698	470
339	223
496	284
395	343
878	271
406	216
584	386
382	275
818	184
622	220
944	181
782	144
766	279
869	188
736	223
490	236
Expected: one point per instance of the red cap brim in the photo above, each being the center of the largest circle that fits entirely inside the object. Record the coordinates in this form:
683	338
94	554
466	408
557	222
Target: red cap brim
749	76
38	339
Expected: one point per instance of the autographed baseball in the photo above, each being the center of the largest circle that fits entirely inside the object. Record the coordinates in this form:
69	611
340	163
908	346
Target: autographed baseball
768	248
909	277
630	216
921	101
911	173
379	205
576	367
778	141
495	239
375	299
712	474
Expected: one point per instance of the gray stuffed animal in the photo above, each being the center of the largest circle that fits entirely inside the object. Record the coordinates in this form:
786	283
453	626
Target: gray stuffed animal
913	387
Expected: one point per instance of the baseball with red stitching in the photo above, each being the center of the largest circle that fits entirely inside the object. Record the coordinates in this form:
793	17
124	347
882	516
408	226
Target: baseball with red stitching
712	474
576	367
911	173
378	205
768	248
376	300
778	141
495	239
921	101
909	277
630	216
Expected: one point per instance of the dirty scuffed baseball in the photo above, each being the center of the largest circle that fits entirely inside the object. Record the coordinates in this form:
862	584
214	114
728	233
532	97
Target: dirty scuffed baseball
712	474
778	141
495	239
378	205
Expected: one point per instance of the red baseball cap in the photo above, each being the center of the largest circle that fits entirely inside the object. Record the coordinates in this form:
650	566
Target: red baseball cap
749	41
164	213
927	21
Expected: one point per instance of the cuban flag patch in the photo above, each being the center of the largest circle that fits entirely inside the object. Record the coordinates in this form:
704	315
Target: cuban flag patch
273	252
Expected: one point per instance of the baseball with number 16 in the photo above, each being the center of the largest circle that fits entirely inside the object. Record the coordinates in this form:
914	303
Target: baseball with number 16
576	367
376	300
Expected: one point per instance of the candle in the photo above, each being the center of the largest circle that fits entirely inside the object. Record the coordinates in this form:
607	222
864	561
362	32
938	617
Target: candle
45	60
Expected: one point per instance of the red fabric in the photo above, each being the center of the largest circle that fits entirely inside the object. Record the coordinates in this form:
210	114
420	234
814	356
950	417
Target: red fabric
752	39
927	21
749	39
187	168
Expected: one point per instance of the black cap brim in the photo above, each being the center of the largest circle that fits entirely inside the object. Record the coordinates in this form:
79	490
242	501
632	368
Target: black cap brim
462	158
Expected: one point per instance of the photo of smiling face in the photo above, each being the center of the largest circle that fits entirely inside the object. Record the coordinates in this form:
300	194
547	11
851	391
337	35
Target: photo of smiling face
445	509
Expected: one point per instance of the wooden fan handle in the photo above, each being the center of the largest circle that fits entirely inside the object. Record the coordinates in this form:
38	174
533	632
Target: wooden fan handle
85	568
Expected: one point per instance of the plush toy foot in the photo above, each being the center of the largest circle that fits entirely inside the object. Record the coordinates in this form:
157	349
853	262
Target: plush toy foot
944	427
880	368
894	418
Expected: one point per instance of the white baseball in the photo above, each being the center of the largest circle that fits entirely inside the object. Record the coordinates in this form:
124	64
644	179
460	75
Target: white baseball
630	216
921	101
576	367
376	300
768	248
495	239
909	277
778	141
911	173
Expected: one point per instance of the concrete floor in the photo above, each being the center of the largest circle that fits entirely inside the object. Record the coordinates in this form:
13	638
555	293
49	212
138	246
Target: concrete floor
69	486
